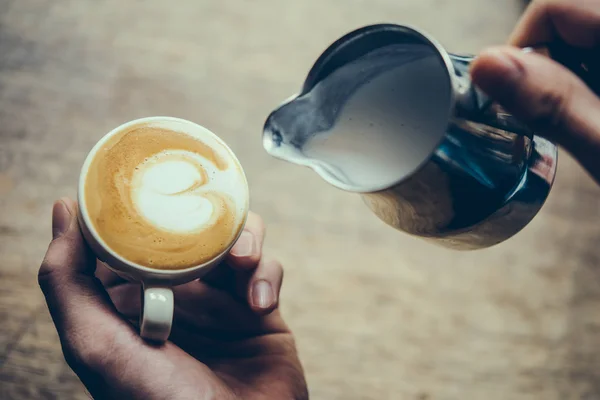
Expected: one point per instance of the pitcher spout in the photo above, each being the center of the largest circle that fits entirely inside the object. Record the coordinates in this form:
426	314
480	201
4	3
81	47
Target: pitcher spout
287	132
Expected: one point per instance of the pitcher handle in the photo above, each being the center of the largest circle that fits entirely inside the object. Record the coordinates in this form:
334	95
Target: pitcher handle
474	105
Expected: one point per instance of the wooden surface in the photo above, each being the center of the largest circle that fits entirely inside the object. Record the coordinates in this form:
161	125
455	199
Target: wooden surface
377	314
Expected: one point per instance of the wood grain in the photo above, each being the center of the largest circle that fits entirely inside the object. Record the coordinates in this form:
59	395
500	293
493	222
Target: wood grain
377	314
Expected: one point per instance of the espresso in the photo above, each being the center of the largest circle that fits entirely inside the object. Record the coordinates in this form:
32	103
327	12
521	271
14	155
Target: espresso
165	198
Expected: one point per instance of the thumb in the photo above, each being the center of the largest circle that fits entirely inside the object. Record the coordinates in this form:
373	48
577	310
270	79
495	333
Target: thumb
546	96
88	325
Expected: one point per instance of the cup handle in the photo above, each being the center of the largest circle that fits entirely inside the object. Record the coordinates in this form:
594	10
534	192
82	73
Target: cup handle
157	313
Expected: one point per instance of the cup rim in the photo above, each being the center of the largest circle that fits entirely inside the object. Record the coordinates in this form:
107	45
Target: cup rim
84	215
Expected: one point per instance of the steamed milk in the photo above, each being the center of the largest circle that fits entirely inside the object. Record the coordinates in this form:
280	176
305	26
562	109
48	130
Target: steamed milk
370	123
387	127
166	198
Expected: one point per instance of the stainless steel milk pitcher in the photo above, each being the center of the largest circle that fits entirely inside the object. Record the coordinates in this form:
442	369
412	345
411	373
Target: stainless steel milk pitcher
388	113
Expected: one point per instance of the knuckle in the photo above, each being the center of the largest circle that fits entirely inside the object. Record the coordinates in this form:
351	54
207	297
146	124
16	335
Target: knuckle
255	222
551	107
549	4
49	272
275	266
253	260
46	275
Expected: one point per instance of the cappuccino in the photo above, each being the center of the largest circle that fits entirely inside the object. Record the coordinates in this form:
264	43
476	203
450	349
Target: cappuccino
166	196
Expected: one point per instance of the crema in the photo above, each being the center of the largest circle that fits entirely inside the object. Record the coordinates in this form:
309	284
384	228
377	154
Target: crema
170	197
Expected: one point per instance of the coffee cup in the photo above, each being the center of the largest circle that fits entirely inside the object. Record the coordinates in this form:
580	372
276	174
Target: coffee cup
161	201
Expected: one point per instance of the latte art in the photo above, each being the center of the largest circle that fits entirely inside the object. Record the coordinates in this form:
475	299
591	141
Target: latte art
165	199
171	190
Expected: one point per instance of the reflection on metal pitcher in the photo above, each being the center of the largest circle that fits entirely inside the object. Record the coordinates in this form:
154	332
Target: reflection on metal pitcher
388	113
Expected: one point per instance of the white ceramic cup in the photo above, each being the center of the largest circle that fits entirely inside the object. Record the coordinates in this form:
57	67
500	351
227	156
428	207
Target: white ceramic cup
157	302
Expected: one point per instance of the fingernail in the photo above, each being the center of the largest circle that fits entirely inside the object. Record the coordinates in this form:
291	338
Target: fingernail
244	246
262	294
61	218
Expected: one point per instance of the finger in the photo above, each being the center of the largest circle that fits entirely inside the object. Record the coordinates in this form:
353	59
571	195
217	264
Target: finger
107	276
577	23
546	96
127	299
264	287
199	309
85	319
247	251
242	259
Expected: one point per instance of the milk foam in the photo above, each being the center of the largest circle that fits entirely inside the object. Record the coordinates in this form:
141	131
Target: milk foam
165	194
169	190
369	124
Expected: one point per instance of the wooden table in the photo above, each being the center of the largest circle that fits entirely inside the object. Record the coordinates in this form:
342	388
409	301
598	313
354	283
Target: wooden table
377	314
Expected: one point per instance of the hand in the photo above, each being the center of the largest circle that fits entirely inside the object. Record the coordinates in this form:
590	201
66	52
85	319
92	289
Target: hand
228	339
541	92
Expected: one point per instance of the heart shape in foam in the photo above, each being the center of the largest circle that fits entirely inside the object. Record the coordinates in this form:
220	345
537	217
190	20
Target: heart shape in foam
169	188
